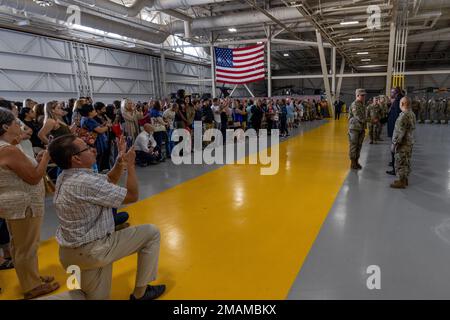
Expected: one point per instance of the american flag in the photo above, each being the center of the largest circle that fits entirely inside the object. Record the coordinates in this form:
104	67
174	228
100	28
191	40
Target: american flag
241	65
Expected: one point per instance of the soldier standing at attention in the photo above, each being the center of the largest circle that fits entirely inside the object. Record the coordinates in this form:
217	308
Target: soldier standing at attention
373	116
356	127
422	110
402	143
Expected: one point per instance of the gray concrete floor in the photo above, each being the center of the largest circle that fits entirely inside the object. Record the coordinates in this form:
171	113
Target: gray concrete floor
405	232
157	178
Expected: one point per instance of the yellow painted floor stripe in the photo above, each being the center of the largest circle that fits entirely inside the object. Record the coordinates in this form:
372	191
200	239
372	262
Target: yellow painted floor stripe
232	233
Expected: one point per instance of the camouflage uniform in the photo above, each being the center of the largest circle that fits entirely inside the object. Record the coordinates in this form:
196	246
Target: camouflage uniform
422	110
384	113
403	139
307	111
442	106
356	128
373	116
415	105
447	112
433	105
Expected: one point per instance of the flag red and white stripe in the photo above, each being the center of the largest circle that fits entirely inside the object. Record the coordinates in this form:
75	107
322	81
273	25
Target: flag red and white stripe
241	65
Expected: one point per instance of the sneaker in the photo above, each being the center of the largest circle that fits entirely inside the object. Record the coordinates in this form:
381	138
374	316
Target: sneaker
151	293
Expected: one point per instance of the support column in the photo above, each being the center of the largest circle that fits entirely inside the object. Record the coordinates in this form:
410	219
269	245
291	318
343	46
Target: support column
269	64
323	63
333	73
163	74
339	84
213	69
390	59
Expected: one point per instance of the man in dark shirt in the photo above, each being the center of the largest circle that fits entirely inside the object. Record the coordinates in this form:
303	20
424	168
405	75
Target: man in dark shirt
394	112
337	109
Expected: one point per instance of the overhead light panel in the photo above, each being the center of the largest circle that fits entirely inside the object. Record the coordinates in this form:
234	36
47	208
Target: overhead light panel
295	4
356	39
286	54
22	23
259	42
232	29
345	23
44	3
373	66
362	53
365	60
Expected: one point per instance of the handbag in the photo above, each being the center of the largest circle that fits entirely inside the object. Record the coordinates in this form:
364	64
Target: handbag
117	130
157	125
49	185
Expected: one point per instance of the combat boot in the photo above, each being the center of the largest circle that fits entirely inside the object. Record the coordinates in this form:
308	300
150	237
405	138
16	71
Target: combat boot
399	184
354	165
359	167
407	181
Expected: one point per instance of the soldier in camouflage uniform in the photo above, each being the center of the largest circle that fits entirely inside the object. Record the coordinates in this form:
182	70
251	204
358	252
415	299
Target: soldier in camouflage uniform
356	127
416	106
433	108
373	116
447	111
384	113
402	143
442	106
422	110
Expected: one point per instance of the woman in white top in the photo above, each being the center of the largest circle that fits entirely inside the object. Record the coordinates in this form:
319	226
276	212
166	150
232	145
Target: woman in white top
22	195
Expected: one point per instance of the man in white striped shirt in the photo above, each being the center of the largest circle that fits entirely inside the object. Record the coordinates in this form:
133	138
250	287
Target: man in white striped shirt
84	202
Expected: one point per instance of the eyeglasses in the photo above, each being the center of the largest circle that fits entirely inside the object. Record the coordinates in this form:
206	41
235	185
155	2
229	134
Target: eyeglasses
83	150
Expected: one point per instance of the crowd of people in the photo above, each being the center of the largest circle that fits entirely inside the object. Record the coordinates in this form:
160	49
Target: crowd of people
91	144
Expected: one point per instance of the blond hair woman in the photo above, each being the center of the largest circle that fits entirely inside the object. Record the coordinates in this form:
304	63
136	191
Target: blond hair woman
131	117
54	124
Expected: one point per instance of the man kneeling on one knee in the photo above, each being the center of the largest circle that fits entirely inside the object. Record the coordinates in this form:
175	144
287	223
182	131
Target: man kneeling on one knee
86	236
147	151
402	143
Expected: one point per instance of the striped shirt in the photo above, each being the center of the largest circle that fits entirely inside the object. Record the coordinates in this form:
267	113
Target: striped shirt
84	202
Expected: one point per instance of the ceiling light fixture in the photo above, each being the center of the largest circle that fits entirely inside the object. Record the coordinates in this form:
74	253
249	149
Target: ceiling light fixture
232	29
286	54
44	3
344	23
361	53
22	23
259	42
364	60
295	4
373	66
356	39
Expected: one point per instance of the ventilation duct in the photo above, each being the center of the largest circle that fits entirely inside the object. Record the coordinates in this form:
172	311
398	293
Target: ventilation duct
237	19
148	32
131	11
138	5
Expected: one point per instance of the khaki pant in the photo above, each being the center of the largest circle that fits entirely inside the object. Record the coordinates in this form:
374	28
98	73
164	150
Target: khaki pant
25	235
96	259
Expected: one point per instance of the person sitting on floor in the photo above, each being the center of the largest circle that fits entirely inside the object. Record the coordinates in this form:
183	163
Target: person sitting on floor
86	236
147	151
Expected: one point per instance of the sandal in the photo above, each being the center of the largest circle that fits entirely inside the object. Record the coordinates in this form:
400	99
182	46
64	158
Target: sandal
41	290
47	279
7	264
